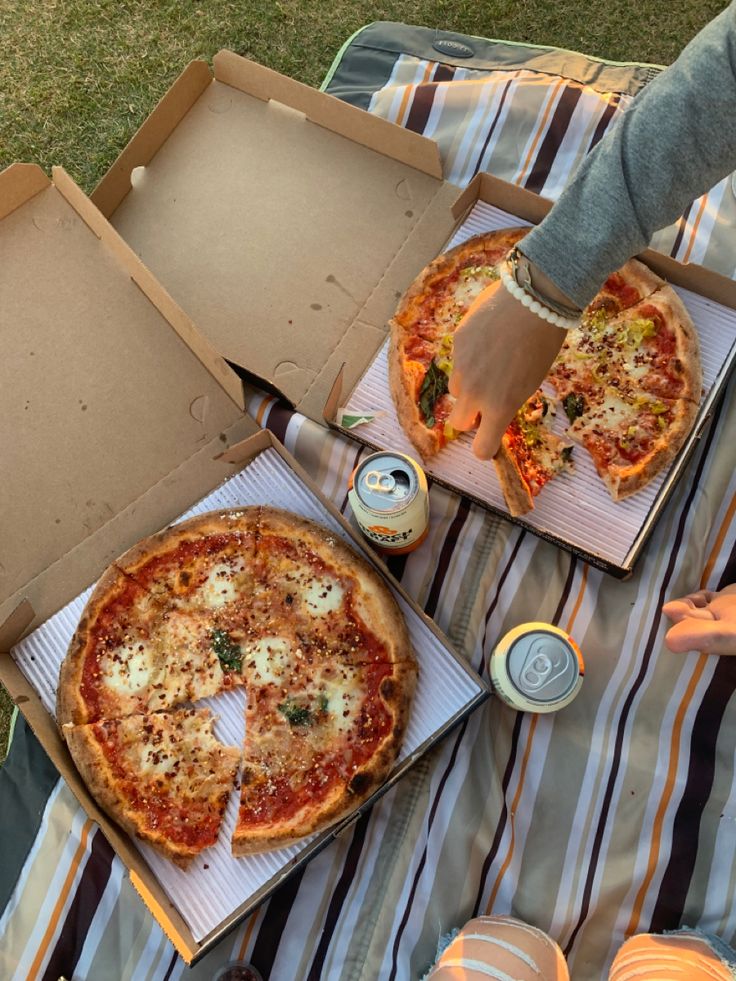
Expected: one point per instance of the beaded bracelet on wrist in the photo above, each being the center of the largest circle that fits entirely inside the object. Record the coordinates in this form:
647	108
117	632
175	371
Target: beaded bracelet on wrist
531	299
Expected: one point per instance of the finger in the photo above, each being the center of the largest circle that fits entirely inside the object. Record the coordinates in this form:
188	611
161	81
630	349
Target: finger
698	599
463	415
488	438
708	636
677	610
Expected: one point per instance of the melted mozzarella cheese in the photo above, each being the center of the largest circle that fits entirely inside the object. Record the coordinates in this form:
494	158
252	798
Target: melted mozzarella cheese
268	659
343	702
219	587
129	668
155	761
322	595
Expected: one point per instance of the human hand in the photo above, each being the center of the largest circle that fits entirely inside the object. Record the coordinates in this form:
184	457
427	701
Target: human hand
502	352
703	621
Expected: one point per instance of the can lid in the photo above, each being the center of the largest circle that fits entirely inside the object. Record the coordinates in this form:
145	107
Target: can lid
542	666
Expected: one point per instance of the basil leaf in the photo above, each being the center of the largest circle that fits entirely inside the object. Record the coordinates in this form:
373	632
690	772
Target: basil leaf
433	386
296	715
574	406
227	650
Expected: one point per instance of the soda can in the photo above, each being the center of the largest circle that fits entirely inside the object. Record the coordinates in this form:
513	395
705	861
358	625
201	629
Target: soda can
389	497
537	667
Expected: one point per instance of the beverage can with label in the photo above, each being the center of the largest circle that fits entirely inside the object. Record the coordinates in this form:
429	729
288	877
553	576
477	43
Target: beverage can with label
537	667
389	497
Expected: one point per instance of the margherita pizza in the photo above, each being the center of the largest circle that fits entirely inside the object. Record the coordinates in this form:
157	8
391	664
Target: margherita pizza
629	377
256	597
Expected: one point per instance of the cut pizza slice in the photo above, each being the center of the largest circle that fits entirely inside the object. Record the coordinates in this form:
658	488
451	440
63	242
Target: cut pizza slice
324	597
651	347
530	454
114	665
203	563
164	777
623	289
320	738
660	351
630	437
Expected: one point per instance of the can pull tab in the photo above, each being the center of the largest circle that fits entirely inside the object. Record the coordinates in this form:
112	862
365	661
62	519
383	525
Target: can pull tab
393	483
543	663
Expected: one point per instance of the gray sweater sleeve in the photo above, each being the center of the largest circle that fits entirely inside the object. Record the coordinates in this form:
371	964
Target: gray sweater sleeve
677	140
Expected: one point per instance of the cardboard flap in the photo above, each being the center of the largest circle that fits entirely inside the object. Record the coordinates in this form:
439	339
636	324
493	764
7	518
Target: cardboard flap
272	213
356	125
18	183
100	398
163	120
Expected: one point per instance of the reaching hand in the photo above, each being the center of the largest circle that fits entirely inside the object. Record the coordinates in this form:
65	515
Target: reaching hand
703	621
501	354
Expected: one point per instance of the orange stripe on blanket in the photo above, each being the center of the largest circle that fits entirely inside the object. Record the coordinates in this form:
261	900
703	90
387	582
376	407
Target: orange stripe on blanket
246	938
540	129
527	754
694	232
409	92
267	402
514	805
716	550
672	769
578	601
60	903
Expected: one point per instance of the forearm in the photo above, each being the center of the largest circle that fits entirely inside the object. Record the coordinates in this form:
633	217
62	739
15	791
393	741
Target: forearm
675	142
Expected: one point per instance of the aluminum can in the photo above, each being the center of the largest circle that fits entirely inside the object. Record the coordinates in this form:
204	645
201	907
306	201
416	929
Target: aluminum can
389	498
537	667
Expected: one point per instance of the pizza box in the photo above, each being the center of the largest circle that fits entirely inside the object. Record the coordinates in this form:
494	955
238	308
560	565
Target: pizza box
119	418
575	512
288	224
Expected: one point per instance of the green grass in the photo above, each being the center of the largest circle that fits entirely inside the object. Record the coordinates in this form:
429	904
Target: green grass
78	77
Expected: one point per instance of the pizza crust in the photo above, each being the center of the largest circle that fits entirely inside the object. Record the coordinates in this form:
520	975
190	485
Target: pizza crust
516	492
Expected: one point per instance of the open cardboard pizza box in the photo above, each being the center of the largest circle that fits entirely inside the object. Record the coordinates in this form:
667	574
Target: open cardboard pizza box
118	418
288	224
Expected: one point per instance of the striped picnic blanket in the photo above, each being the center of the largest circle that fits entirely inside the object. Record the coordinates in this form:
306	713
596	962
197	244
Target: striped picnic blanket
616	815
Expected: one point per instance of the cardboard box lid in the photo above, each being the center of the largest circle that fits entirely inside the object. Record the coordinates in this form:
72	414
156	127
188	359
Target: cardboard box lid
109	420
284	221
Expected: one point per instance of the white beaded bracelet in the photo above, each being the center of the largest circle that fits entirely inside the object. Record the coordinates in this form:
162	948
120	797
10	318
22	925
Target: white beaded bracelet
520	294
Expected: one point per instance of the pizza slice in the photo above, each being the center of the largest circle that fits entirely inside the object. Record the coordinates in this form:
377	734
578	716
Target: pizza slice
626	287
203	563
651	347
164	777
320	738
131	655
530	454
114	665
325	598
660	352
631	437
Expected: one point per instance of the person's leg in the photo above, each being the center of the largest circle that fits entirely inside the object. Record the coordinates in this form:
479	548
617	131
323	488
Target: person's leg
502	948
683	955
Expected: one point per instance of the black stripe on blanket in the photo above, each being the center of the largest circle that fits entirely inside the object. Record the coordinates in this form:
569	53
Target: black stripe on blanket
92	884
558	126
